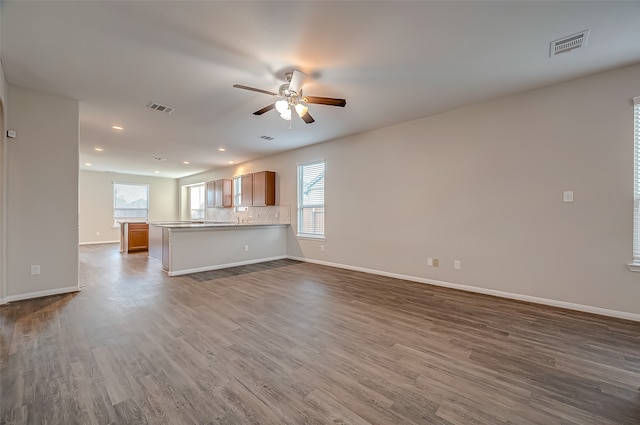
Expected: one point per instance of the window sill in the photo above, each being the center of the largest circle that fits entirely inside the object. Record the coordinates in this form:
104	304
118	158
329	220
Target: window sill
313	237
634	267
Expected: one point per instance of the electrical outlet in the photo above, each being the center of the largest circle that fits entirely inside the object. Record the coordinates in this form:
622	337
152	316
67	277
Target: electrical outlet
35	269
322	248
97	233
436	262
430	262
457	264
246	248
567	196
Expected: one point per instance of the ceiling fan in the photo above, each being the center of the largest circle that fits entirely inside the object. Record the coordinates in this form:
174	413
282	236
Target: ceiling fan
292	99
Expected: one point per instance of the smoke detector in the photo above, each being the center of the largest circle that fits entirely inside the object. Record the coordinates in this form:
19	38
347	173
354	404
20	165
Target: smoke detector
568	43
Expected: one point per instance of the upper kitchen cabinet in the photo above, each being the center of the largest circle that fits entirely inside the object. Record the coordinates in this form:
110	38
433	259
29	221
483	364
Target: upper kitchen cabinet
264	188
223	193
257	189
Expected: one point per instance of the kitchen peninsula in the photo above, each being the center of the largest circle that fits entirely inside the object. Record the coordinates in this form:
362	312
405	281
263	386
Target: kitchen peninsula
190	247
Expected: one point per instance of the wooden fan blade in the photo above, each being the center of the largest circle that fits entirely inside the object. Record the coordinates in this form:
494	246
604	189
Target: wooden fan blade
265	109
296	81
308	118
324	100
240	86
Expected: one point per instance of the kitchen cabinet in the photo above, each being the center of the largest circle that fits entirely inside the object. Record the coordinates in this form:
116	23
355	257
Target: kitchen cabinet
264	188
256	189
138	237
223	193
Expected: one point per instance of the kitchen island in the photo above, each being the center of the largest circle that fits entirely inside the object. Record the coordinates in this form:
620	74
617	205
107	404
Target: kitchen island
190	247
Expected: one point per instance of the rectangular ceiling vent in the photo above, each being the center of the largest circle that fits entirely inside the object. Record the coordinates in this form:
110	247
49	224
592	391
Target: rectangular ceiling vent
161	108
266	137
569	43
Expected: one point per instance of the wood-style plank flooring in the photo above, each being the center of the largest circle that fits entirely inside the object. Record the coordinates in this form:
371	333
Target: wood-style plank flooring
293	343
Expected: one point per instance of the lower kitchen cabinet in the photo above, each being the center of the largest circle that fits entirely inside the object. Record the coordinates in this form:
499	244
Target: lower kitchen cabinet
138	237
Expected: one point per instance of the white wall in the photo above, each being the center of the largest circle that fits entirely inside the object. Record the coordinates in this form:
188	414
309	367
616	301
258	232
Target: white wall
96	202
483	185
3	178
42	193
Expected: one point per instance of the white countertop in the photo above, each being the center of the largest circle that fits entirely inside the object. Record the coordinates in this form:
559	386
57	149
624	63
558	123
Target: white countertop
209	224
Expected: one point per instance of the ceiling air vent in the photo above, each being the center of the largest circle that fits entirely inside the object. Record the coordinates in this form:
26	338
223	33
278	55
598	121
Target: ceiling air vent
266	137
569	43
162	108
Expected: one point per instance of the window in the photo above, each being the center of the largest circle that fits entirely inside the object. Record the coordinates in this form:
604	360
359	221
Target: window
237	191
196	201
130	202
636	181
311	199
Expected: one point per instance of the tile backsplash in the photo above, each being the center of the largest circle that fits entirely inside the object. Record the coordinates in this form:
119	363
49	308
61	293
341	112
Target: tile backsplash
277	214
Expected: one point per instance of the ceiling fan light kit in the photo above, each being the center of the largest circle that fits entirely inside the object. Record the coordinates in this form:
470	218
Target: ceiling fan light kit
290	95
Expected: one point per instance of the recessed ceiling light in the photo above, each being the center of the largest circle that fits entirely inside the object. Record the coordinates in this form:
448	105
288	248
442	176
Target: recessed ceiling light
117	127
230	162
157	172
98	149
221	149
88	164
186	162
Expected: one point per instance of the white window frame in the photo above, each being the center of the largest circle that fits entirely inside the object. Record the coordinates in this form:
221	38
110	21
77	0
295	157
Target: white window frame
635	265
302	207
133	218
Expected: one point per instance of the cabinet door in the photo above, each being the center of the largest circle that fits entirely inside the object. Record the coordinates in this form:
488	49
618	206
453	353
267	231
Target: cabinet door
210	194
227	193
264	188
246	192
138	237
223	193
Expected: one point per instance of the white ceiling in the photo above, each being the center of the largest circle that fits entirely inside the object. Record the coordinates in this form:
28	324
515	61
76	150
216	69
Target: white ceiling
393	61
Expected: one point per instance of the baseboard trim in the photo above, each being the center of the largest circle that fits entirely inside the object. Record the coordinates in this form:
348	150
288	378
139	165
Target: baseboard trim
97	243
39	294
510	295
224	266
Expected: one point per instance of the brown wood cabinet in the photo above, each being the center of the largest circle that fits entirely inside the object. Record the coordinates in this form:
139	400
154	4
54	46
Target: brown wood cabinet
138	237
264	188
223	193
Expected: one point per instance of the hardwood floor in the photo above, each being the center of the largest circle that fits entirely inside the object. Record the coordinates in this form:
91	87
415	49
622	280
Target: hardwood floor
293	343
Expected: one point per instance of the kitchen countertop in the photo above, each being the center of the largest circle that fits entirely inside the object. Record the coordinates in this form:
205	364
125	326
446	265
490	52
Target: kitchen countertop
207	224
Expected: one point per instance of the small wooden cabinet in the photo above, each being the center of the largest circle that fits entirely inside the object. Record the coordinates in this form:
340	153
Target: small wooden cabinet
223	193
264	188
138	237
257	189
219	193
